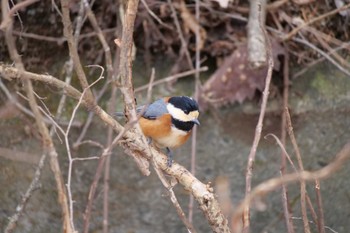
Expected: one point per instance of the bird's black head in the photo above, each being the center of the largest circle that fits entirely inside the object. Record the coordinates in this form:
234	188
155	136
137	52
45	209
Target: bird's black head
184	112
185	103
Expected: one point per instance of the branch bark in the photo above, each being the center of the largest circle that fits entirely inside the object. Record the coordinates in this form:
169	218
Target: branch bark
125	71
258	129
73	51
256	39
303	192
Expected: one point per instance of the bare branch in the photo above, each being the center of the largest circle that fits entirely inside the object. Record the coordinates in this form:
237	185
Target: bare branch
173	199
320	218
33	186
181	36
258	129
285	199
97	176
256	39
7	18
328	57
155	16
171	78
301	168
199	43
73	51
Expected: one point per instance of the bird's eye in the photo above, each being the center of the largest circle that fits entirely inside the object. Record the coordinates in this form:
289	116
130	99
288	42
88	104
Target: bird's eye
186	112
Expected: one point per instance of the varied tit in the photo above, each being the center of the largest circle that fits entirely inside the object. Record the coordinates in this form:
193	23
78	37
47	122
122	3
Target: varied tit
168	122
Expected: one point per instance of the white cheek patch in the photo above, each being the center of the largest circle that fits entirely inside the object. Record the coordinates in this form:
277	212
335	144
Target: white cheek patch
176	113
180	115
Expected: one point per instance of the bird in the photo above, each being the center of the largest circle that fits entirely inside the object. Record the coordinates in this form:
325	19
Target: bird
168	122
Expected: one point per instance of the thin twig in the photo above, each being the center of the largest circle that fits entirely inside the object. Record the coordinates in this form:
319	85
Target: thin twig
317	61
69	64
19	156
330	50
58	40
91	115
70	159
111	108
284	152
326	227
173	199
307	198
27	111
328	57
86	158
109	65
320	222
196	93
301	168
311	209
155	16
184	46
73	51
172	77
106	152
33	186
150	85
7	18
101	37
258	129
285	200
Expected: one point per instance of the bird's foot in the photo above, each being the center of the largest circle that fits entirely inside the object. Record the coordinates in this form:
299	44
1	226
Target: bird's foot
170	157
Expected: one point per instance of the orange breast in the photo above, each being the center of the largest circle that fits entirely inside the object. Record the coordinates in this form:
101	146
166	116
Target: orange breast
162	133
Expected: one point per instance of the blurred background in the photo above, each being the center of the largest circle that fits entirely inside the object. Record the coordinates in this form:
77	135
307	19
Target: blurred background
311	75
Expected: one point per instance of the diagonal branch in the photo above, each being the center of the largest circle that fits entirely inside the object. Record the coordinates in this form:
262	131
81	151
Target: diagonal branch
303	192
73	51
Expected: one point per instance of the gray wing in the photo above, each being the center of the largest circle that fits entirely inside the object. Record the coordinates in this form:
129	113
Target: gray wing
154	110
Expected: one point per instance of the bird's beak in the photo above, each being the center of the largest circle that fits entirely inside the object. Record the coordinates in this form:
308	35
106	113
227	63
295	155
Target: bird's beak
196	121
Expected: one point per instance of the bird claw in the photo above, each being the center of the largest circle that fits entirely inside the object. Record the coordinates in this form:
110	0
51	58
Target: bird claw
169	157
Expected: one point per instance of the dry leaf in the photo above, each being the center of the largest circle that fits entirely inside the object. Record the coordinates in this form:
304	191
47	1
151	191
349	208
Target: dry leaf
234	80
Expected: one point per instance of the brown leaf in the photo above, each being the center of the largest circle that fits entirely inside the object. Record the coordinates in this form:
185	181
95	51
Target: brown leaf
234	80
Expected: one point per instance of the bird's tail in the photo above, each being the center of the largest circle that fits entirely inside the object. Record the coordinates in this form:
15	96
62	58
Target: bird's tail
139	110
